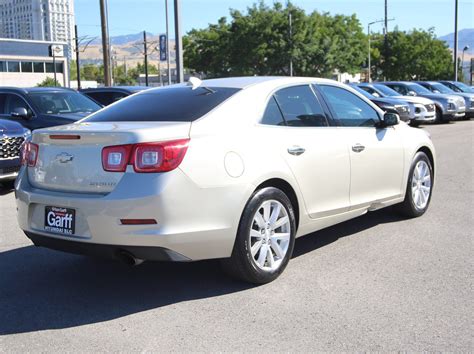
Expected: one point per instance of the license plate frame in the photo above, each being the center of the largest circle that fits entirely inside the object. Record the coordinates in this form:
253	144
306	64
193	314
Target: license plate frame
60	220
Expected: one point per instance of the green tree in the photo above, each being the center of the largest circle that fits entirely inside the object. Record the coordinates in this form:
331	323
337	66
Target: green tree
258	42
414	55
49	82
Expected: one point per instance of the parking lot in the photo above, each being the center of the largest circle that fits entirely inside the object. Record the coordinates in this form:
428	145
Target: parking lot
374	283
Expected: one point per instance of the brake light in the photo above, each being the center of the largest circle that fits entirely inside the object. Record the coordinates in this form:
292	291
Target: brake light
145	157
29	154
116	158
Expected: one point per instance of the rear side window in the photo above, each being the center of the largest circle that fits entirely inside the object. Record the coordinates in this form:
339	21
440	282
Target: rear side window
272	115
300	107
171	104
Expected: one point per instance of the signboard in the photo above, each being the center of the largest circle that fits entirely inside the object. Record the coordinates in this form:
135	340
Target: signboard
163	47
56	50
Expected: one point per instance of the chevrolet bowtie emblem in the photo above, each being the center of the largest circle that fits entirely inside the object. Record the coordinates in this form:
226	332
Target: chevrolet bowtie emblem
64	157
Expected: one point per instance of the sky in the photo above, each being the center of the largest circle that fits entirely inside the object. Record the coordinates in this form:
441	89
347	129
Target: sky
132	16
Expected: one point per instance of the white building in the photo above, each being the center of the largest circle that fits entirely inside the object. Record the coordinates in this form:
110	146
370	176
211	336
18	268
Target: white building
41	20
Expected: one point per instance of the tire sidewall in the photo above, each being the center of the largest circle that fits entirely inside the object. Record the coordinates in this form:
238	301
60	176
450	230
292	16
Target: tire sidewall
242	240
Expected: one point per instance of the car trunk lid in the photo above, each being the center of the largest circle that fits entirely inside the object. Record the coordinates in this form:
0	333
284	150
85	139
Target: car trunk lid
70	157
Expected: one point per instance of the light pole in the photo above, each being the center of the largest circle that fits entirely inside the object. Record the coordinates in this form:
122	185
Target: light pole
167	44
291	42
178	42
368	34
462	60
456	40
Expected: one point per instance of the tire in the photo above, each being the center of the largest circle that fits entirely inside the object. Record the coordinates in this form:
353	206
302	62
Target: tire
420	178
259	256
414	124
439	117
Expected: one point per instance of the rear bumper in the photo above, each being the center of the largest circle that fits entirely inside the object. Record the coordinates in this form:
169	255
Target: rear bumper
192	222
105	251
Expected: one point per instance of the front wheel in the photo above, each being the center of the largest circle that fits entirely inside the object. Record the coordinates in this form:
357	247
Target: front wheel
265	238
419	187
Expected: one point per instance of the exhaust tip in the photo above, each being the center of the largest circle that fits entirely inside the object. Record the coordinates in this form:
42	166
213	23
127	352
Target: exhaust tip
128	258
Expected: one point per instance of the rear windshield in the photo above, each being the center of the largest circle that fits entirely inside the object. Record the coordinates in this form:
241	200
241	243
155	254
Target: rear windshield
171	104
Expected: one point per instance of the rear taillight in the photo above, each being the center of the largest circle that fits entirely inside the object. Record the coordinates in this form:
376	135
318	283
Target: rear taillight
145	157
116	158
29	154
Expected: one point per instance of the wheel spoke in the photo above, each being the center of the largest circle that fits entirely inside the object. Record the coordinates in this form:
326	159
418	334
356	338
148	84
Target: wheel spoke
255	233
282	221
270	259
259	219
427	178
263	255
275	214
266	211
281	236
256	247
277	249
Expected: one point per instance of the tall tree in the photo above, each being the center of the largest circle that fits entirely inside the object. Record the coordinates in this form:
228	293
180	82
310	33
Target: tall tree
258	42
415	55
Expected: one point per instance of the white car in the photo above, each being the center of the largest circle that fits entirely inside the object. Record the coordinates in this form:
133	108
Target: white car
232	168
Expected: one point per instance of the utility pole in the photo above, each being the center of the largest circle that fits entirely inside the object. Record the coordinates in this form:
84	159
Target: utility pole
145	50
105	42
385	33
167	44
78	66
178	42
456	40
291	43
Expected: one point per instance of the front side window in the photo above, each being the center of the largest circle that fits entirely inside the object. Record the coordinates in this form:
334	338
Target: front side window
272	115
170	104
349	109
300	107
12	102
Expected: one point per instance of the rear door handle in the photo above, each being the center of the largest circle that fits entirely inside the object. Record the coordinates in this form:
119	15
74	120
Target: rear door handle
358	147
296	150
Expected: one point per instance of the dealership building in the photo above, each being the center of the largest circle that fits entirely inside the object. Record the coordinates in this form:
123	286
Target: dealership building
26	63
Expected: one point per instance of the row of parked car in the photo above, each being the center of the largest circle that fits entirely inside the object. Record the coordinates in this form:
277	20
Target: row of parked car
25	109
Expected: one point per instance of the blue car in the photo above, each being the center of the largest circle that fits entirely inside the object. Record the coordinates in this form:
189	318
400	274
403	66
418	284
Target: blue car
12	136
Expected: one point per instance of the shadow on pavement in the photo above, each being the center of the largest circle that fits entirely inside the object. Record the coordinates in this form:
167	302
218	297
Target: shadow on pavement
42	289
6	188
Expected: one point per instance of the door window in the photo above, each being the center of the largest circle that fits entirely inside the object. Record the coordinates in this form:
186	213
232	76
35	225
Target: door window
272	115
13	101
300	107
349	109
399	88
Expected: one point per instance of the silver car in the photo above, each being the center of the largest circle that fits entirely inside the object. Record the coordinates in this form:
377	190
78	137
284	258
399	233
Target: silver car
448	107
231	168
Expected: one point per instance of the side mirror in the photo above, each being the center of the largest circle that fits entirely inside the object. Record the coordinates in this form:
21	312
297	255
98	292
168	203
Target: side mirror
20	112
411	93
389	119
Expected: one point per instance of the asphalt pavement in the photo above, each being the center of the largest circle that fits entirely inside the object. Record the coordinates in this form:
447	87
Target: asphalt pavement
378	283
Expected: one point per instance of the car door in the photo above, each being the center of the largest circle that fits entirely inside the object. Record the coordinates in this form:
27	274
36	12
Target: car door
318	159
376	154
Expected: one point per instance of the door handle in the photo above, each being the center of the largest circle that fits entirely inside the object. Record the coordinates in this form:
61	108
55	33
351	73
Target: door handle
296	150
358	147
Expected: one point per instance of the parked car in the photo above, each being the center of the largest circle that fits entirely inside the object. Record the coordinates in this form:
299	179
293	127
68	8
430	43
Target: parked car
109	95
233	168
437	87
393	105
458	86
12	137
422	110
41	107
448	107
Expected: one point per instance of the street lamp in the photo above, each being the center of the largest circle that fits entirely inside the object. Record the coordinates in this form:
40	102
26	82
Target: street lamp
368	34
462	60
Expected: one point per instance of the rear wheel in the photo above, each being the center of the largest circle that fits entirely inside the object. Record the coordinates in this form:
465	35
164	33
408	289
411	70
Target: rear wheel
419	187
265	238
